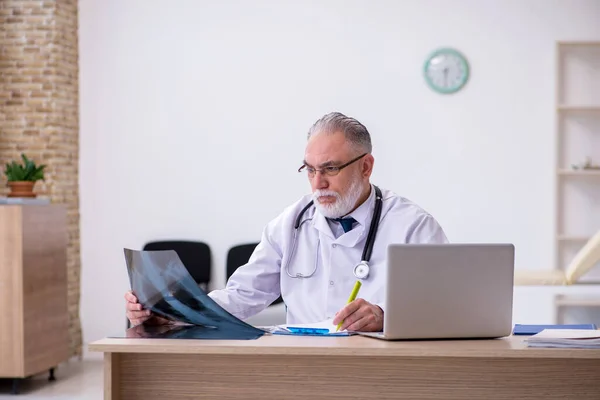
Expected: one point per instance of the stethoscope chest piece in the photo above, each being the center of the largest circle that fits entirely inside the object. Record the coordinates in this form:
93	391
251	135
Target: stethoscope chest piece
361	271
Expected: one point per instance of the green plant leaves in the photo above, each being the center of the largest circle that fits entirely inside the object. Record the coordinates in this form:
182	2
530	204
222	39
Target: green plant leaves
27	171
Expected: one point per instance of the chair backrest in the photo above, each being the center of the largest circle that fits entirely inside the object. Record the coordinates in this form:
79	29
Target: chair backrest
238	256
195	256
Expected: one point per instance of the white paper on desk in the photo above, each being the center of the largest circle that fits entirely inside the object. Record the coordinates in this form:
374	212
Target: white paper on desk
567	338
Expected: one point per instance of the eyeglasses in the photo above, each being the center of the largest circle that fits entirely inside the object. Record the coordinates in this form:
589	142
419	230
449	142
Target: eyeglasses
332	170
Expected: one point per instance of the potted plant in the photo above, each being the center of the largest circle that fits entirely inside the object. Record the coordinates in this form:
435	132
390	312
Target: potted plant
22	177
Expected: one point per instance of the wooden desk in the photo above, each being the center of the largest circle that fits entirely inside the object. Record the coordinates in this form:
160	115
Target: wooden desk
282	367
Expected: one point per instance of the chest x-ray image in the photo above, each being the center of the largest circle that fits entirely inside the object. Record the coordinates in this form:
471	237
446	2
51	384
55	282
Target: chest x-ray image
163	285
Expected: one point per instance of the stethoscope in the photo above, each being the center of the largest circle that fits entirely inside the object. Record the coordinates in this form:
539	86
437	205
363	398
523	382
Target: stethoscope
361	270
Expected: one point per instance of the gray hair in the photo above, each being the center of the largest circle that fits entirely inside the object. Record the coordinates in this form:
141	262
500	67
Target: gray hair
356	133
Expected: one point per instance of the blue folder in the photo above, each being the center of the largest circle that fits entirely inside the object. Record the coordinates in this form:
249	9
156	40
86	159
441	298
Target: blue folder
523	329
310	332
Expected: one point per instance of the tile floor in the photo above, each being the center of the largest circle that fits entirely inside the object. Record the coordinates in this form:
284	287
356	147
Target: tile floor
75	379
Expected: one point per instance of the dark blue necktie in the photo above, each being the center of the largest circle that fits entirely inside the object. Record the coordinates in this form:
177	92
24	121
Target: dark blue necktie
346	223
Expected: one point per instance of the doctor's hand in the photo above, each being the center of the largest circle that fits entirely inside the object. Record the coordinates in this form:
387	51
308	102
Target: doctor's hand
137	315
360	315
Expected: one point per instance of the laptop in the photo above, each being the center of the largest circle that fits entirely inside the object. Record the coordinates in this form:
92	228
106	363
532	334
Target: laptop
448	291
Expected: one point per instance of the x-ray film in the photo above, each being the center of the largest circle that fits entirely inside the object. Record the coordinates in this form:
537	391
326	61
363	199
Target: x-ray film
178	331
163	285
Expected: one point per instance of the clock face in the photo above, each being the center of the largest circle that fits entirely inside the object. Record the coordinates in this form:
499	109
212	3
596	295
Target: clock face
446	71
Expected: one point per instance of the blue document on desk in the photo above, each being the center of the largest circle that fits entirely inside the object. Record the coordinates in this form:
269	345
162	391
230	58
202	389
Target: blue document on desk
310	332
323	328
163	285
524	329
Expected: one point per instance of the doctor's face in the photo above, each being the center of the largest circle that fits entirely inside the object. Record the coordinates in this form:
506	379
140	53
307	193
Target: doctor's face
337	192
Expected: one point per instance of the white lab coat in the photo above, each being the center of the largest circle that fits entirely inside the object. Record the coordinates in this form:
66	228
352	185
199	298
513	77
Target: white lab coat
258	283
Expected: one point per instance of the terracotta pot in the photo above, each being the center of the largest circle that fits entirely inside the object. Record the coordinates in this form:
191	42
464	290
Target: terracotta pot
21	189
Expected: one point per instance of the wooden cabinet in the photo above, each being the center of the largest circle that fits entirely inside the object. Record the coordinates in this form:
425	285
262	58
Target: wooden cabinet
33	289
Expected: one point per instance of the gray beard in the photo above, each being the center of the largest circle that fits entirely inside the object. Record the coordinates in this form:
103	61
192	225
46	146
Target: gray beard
342	205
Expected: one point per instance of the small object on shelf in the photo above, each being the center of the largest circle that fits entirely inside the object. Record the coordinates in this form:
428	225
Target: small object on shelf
587	165
23	176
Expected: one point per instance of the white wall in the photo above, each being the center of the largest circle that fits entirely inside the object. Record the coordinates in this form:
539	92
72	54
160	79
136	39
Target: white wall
194	114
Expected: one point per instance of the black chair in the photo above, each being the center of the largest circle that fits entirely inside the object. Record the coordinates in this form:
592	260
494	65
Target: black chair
238	256
195	256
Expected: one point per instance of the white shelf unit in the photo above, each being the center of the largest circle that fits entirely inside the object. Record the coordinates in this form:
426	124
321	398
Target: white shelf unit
577	190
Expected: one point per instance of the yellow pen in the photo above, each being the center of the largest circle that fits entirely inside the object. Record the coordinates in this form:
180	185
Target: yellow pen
350	300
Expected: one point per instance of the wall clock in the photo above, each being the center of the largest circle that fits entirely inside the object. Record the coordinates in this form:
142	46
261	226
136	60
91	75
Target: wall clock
446	71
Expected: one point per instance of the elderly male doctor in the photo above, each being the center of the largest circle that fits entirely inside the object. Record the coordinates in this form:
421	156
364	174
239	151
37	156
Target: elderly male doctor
312	266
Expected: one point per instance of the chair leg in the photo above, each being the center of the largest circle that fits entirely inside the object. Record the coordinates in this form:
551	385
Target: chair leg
51	376
15	385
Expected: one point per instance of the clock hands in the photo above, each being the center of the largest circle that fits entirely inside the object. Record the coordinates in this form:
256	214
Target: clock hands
446	76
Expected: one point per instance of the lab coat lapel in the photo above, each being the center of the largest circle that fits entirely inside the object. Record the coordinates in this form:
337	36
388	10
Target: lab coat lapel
320	223
350	239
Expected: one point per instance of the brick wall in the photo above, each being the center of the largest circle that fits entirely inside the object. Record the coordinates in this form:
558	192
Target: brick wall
39	112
